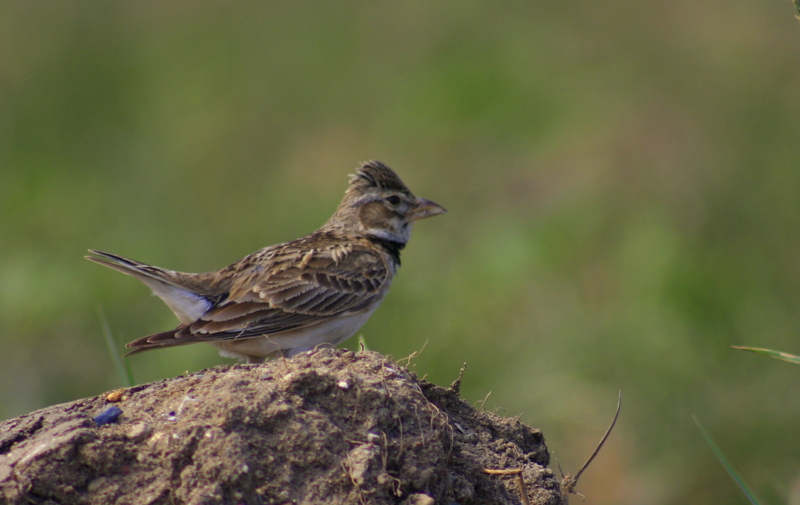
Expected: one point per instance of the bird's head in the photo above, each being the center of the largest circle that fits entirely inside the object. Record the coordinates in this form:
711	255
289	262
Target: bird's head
377	204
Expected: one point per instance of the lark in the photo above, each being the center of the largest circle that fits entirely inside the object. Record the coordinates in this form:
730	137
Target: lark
292	297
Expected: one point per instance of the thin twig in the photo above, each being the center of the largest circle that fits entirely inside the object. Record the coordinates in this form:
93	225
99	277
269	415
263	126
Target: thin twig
413	355
456	385
568	483
482	402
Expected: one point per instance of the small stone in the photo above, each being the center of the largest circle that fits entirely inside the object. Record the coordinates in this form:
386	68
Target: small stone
96	484
108	416
344	385
419	499
115	396
360	460
139	432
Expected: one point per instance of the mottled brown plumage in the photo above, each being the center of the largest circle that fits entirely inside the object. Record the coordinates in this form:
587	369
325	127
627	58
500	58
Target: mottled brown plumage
291	297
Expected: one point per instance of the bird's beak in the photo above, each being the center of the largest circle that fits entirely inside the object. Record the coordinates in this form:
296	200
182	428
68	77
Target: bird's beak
425	208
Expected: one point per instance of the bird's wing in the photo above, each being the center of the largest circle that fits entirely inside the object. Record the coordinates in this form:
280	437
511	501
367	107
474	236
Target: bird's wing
287	291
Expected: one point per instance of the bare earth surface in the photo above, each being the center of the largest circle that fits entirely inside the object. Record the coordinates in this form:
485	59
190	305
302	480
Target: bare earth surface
330	426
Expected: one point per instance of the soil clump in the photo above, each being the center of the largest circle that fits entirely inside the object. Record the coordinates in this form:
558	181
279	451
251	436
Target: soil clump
330	426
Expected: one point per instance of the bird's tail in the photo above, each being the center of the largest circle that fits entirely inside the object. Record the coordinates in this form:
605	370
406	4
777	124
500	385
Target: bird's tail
133	268
187	305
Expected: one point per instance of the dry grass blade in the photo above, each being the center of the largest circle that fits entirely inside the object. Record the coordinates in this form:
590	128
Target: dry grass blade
523	493
784	356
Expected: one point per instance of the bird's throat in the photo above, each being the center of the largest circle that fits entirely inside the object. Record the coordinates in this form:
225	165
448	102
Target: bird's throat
392	247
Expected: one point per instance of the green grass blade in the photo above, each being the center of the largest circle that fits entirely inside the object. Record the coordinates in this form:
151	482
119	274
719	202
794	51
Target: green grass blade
791	358
124	370
362	343
731	471
129	382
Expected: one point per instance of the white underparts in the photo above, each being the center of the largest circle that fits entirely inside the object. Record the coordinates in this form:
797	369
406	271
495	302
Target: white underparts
187	306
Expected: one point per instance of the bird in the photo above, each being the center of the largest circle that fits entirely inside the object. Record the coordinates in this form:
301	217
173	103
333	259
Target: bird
289	298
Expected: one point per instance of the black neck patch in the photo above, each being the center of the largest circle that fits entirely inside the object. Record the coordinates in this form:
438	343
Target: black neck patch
390	246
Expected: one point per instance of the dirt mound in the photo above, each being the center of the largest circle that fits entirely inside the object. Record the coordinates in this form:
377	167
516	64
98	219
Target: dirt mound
330	426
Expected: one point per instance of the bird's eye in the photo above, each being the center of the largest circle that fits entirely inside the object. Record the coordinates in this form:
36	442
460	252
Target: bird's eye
393	200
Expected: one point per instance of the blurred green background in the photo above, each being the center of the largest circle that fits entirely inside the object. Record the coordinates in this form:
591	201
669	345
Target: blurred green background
622	180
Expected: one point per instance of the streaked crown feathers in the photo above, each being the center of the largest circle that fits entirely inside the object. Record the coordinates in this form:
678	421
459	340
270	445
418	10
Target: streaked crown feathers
377	175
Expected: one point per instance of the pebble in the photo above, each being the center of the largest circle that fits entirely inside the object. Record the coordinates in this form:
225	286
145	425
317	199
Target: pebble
115	396
139	432
108	416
